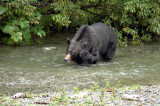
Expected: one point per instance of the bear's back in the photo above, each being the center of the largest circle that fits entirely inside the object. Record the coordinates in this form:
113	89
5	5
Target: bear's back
105	35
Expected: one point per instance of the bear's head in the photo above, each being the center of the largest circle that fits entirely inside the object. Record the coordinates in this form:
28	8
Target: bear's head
72	52
80	42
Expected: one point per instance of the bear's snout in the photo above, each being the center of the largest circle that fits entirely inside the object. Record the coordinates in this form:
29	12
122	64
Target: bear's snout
67	58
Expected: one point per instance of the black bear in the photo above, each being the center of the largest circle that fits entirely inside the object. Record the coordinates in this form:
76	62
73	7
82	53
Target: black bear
92	42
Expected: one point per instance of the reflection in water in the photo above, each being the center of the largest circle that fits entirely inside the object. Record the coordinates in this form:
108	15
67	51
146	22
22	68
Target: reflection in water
42	68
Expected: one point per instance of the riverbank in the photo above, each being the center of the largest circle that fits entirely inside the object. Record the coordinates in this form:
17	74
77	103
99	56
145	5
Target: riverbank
108	96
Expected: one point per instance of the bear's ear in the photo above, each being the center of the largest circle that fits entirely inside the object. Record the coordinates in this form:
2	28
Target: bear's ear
83	32
68	41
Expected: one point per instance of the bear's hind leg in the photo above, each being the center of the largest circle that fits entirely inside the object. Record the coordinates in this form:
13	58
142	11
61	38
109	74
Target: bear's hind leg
111	49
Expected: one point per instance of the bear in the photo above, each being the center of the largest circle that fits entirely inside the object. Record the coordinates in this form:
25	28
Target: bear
90	43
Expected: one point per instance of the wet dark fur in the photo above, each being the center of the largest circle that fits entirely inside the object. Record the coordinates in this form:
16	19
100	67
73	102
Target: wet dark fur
91	42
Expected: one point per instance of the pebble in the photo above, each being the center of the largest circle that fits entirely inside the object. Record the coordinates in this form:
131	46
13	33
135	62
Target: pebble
18	95
129	97
81	95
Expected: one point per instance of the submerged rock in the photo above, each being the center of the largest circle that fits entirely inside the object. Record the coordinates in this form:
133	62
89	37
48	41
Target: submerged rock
49	48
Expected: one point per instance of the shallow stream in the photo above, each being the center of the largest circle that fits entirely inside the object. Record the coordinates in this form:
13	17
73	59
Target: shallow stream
40	69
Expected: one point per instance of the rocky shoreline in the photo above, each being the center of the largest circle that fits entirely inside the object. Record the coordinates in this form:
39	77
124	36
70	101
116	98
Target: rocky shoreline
108	96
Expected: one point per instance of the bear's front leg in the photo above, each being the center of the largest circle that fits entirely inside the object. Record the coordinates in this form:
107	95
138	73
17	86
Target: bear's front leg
88	57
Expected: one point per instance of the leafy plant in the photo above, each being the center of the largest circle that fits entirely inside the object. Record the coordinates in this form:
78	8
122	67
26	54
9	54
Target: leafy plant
76	89
135	21
95	87
19	19
107	85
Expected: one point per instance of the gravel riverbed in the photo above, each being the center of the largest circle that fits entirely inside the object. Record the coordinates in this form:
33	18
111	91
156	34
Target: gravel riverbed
108	96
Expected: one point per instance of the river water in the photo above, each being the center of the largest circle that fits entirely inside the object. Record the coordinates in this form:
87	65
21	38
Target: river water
42	68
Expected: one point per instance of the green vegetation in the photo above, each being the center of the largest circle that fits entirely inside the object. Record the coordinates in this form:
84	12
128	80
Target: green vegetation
23	21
